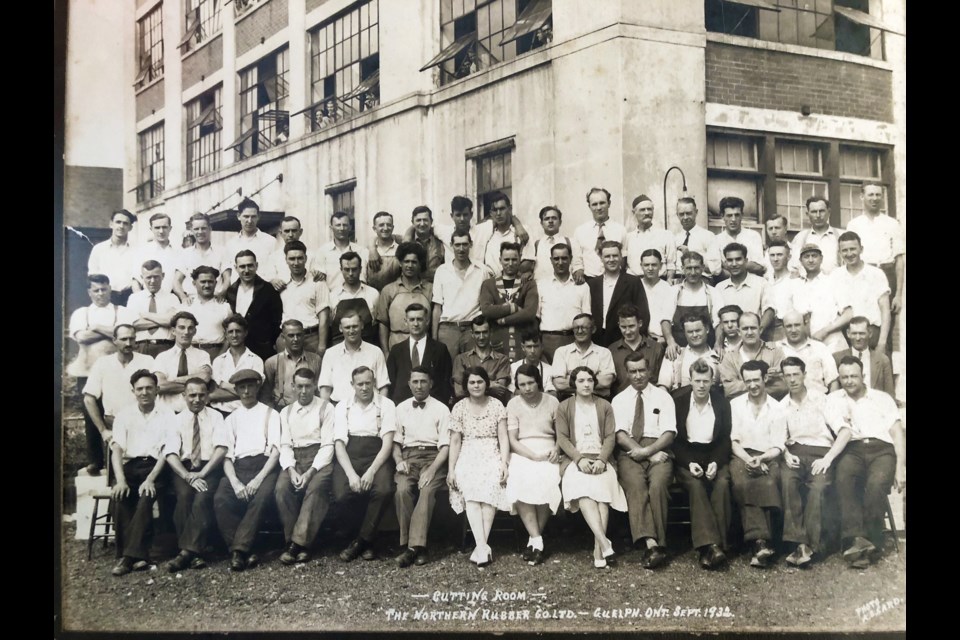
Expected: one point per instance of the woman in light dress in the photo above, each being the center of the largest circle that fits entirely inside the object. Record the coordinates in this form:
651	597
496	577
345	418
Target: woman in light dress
585	432
533	485
479	454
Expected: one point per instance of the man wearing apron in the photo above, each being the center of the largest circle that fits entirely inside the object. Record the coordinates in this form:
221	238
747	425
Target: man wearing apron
353	295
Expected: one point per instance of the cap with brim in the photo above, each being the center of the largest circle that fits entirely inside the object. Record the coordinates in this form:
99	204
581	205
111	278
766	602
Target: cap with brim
810	247
245	375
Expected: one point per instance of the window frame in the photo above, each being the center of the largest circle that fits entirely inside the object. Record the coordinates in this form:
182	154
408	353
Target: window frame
203	20
149	38
256	82
209	144
475	159
150	175
336	193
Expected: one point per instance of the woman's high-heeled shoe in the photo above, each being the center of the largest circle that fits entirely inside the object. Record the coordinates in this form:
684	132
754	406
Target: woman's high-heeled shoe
487	560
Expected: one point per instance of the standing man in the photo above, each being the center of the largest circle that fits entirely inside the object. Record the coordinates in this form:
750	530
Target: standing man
633	341
154	310
304	300
731	209
364	426
159	250
238	357
180	362
209	312
107	391
702	448
744	289
306	459
419	350
561	298
813	296
861	289
509	303
249	470
819	234
328	255
456	296
92	327
259	303
195	449
411	287
645	237
809	456
883	240
112	257
275	270
138	438
781	284
341	359
691	236
495	232
820	370
612	289
757	437
646	427
350	294
694	296
385	245
873	461
483	355
279	386
660	295
877	372
536	255
250	238
590	236
420	448
582	352
425	235
752	348
200	254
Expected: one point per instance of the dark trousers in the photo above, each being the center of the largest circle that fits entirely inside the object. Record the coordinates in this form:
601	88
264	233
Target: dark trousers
646	485
302	512
415	505
803	523
362	452
710	507
193	517
213	350
95	453
135	512
756	496
153	350
552	342
865	475
120	298
237	519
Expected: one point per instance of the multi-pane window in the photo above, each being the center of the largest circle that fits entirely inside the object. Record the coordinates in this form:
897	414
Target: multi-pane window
858	165
202	22
203	133
839	25
241	7
341	196
733	170
799	167
149	47
150	182
344	65
494	173
264	93
476	34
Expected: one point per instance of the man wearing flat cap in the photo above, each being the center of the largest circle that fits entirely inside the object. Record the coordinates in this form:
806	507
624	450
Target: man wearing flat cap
813	297
249	469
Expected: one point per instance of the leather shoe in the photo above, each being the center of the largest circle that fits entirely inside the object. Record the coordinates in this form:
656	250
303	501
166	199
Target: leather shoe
369	553
289	556
536	558
527	553
238	562
141	565
92	470
198	563
353	550
801	556
406	558
181	562
655	557
423	556
711	556
252	561
123	567
303	556
762	554
858	551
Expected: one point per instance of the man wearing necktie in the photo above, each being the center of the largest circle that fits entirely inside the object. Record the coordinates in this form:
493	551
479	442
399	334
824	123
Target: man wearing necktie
420	447
195	449
691	237
181	362
877	370
646	427
153	310
591	235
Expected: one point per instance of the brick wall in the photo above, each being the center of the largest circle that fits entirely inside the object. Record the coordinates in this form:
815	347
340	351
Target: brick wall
203	62
150	100
313	4
90	193
263	22
765	79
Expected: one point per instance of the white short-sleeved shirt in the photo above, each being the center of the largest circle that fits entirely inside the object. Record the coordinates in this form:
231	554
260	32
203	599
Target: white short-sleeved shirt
252	432
338	365
781	293
818	359
328	261
304	301
659	411
489	243
262	244
110	380
662	302
806	423
140	435
861	292
560	302
747	237
427	426
870	416
168	362
112	261
761	432
539	252
459	292
881	237
375	420
213	434
210	315
701	240
637	241
750	295
568	357
828	241
167	304
92	315
168	257
816	297
224	367
189	258
586	236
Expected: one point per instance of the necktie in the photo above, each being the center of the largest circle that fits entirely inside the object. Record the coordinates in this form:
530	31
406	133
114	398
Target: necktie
415	356
637	429
153	309
600	238
419	405
182	366
686	240
195	450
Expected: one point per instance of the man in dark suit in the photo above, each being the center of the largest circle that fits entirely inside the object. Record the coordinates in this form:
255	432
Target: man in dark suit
702	450
419	350
258	302
610	290
877	370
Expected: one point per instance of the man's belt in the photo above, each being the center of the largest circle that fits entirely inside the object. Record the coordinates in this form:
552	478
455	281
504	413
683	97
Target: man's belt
207	345
311	330
419	448
155	342
466	324
564	332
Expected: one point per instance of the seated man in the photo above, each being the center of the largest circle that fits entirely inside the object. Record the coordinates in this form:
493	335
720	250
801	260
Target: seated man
752	348
811	450
420	448
341	359
510	303
483	355
306	457
821	370
531	342
675	374
702	448
757	436
872	462
419	349
196	446
249	470
646	426
877	370
631	326
583	353
138	439
180	362
279	389
364	424
728	339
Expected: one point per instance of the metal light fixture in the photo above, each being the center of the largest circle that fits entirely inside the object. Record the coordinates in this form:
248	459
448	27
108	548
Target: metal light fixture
666	224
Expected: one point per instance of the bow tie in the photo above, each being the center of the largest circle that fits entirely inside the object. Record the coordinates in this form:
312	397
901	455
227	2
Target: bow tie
419	405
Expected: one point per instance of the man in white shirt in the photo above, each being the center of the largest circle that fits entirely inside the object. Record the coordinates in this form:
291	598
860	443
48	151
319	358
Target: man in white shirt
340	360
820	369
583	353
561	298
495	231
420	448
646	427
819	234
306	460
781	284
536	254
748	291
238	357
112	257
590	235
158	249
153	310
274	268
456	296
691	236
201	253
675	374
364	426
209	312
195	448
861	289
92	326
304	300
731	208
328	255
138	440
352	295
757	437
661	297
813	296
645	237
250	237
180	362
249	470
883	241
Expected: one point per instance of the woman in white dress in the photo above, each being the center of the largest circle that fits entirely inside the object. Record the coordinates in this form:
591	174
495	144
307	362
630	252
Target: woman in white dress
533	485
585	432
479	453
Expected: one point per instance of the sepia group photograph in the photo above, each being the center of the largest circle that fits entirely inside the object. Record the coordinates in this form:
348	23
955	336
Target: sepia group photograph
480	317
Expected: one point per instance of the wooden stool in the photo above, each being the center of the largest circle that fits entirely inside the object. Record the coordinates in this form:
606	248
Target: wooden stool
103	520
893	527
